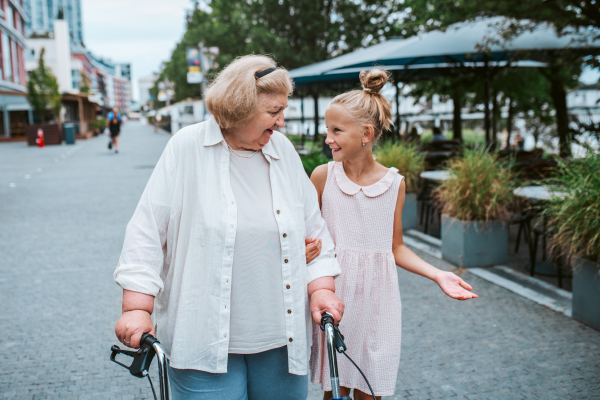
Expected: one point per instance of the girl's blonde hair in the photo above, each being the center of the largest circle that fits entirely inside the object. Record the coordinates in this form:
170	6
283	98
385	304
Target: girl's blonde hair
232	98
369	106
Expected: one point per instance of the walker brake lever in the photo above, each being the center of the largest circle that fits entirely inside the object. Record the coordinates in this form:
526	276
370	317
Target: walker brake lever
142	358
338	338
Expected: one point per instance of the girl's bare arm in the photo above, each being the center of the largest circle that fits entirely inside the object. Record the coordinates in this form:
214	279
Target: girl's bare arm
451	284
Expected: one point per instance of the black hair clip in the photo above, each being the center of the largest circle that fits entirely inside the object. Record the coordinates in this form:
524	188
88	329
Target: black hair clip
265	72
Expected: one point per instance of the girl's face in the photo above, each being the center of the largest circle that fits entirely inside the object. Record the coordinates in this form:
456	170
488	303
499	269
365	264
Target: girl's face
269	115
345	135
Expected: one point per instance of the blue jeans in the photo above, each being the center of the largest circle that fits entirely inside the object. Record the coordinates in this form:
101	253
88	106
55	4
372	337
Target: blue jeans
261	376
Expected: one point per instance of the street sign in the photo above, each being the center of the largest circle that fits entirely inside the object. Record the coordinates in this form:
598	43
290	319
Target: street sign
162	91
194	74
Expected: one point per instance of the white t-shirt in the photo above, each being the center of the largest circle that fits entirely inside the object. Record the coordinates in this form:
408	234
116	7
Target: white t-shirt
257	323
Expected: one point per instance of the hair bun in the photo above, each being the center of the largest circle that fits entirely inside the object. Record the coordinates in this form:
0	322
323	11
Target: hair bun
374	80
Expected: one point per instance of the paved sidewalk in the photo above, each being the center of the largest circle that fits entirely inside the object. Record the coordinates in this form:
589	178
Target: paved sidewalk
61	232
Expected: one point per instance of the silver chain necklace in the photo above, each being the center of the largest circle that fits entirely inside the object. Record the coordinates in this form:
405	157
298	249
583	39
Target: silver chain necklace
239	155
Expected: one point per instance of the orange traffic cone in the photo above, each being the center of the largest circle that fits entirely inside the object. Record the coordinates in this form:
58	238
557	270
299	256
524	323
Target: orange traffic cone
40	138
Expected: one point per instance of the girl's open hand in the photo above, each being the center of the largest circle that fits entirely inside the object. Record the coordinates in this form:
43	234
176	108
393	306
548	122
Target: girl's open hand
454	286
313	249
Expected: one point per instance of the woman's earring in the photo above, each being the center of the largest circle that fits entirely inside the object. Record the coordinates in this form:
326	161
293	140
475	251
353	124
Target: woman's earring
363	143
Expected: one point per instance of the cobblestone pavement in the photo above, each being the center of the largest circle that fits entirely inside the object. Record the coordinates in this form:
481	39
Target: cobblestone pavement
61	231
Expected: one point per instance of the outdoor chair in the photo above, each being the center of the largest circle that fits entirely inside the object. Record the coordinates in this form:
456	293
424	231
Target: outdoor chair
524	222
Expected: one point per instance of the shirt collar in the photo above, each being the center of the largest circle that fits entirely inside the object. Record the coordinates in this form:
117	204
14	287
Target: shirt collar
214	136
351	188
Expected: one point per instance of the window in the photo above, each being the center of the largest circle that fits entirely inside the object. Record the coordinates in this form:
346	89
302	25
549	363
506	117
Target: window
10	16
15	58
6	60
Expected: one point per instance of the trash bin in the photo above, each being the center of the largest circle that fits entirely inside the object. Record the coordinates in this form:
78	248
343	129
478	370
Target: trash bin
69	133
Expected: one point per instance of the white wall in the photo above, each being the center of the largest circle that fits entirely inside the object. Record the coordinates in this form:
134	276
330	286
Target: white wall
57	55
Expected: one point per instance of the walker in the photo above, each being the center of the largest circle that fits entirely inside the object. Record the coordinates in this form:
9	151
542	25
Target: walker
150	346
142	358
335	341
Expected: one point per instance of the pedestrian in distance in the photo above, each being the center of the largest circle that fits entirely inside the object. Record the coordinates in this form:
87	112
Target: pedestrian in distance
113	124
216	248
362	201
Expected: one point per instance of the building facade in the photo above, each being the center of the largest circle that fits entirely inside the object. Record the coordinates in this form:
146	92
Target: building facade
108	83
144	86
43	13
15	111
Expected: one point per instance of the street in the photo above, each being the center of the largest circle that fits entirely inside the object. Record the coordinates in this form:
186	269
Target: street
62	222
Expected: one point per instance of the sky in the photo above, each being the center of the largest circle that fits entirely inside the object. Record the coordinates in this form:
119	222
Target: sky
142	32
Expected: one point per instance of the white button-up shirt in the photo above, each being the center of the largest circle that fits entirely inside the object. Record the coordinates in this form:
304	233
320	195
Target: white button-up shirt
179	247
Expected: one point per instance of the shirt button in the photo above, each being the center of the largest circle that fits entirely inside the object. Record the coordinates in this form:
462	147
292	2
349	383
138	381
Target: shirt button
289	311
287	286
291	340
285	235
335	255
231	227
277	211
286	260
233	203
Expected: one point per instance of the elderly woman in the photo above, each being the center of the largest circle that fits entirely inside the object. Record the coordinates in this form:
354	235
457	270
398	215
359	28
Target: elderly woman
216	247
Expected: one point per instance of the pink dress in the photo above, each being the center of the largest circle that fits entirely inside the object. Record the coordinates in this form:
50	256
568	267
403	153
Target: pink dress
360	220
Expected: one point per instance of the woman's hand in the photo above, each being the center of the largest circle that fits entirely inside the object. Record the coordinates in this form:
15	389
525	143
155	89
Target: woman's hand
326	300
313	249
454	286
132	325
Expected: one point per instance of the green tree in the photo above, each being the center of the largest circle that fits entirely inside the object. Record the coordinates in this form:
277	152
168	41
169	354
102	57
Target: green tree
562	15
296	33
84	85
42	90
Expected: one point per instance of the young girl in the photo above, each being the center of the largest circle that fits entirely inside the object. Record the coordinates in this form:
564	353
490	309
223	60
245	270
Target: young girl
362	201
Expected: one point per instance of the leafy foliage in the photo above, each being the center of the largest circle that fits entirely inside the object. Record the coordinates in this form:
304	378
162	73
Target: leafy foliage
296	33
313	160
84	85
42	90
575	217
404	157
480	189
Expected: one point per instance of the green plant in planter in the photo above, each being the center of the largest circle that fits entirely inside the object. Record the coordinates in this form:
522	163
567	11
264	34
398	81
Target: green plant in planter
475	202
404	157
481	187
575	216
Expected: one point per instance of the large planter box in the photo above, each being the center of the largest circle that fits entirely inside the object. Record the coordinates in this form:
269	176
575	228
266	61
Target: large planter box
52	133
409	212
586	292
474	243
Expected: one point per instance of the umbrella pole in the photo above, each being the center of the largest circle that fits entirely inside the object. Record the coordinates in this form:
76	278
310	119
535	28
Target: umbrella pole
316	99
486	99
398	121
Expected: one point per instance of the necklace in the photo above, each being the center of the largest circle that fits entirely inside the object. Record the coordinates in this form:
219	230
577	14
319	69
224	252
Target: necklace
239	155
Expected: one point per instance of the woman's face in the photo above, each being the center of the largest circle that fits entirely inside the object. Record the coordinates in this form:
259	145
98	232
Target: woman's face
269	116
345	136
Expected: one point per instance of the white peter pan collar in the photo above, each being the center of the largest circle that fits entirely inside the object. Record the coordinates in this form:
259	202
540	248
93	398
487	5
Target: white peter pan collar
351	188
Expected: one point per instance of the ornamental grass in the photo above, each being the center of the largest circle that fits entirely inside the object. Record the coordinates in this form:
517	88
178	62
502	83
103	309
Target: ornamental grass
404	157
480	189
574	216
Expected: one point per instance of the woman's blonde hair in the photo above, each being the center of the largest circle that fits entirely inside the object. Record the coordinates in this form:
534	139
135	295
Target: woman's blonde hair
369	106
232	98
